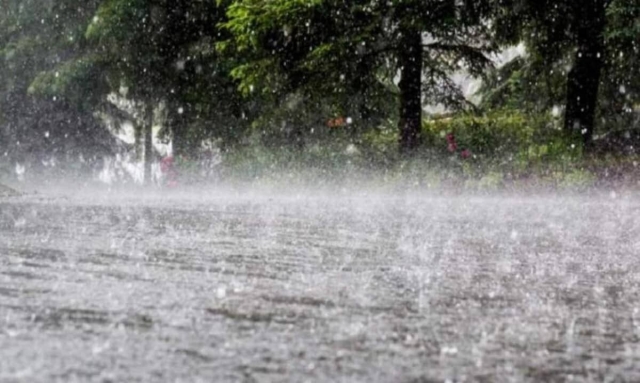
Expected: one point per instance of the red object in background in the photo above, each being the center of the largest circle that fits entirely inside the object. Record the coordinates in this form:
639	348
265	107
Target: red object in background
168	169
166	164
336	122
452	145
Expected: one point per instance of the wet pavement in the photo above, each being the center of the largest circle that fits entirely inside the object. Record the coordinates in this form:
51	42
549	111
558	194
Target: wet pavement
362	288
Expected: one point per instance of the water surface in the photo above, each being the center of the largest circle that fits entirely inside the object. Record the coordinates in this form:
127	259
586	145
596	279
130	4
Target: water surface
358	288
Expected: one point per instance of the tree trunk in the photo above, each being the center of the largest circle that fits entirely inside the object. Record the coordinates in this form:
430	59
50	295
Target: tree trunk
177	122
137	141
583	80
148	142
410	123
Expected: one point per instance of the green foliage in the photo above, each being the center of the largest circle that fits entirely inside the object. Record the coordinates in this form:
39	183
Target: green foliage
165	52
620	93
35	38
497	134
381	142
574	179
524	83
80	82
553	32
345	54
507	142
263	78
128	35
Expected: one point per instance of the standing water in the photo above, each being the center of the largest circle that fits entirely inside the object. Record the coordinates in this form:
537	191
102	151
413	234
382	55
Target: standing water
360	288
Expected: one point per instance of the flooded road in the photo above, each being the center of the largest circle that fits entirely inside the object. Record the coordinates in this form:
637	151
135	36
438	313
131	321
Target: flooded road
367	288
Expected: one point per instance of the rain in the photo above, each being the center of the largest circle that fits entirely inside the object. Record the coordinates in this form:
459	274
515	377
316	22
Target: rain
319	191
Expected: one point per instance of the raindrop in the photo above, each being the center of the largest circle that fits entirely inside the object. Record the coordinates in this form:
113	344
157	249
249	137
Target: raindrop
446	350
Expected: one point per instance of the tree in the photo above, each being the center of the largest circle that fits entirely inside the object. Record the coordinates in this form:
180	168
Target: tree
127	38
340	49
620	93
151	54
583	80
163	52
592	38
45	128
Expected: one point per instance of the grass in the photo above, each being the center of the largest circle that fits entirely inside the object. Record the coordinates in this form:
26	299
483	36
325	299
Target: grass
428	170
497	151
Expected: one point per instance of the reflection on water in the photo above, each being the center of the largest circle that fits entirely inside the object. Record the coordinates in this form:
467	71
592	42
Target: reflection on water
368	288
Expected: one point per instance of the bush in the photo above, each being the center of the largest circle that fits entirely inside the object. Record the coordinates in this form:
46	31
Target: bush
485	136
507	141
491	151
